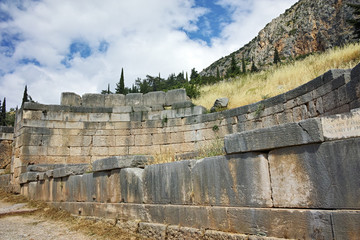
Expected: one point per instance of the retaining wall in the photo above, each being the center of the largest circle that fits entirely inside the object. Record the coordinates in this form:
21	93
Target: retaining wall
96	126
6	141
291	181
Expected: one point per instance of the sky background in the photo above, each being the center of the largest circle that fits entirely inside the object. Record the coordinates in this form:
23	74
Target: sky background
81	45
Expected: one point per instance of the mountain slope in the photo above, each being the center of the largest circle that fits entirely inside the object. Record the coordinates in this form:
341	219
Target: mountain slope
308	26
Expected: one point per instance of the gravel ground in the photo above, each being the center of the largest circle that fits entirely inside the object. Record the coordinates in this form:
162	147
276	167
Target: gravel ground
30	227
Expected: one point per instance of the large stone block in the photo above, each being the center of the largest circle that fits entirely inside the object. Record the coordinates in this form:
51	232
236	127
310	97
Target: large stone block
87	188
154	98
290	134
93	100
317	176
341	126
236	180
131	180
71	169
346	224
28	177
118	162
70	99
176	95
134	99
281	223
102	187
73	188
168	183
114	100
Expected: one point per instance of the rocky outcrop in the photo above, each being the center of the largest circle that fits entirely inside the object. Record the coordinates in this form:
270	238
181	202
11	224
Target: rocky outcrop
308	26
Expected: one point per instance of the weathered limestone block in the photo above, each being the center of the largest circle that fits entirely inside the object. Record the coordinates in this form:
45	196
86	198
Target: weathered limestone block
281	223
341	126
179	105
317	176
131	180
70	99
291	134
173	96
122	109
93	100
211	234
152	230
346	224
102	187
112	100
71	169
43	167
168	183
73	188
87	188
236	180
118	162
134	99
28	177
5	179
154	98
177	232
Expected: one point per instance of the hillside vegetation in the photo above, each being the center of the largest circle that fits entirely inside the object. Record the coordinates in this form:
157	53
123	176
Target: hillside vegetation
250	88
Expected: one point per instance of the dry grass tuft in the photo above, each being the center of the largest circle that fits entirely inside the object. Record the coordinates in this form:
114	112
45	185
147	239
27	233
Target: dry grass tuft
251	88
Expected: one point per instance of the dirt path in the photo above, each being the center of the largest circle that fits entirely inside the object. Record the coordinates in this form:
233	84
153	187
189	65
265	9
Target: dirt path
21	219
31	227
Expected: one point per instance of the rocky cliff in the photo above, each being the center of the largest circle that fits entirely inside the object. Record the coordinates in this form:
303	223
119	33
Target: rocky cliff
308	26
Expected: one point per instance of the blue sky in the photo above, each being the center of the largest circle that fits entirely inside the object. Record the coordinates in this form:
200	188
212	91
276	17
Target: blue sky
80	46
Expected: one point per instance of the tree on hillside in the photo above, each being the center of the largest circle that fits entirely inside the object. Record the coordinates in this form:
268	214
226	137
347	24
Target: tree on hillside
253	67
195	77
243	65
356	20
276	57
217	74
3	113
234	69
25	96
106	91
120	86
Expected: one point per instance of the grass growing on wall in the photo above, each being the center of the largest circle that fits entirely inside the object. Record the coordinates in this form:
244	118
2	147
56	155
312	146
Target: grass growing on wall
212	148
254	87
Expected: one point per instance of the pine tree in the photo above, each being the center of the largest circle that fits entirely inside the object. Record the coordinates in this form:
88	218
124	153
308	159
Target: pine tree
217	74
3	113
355	21
120	86
25	96
276	57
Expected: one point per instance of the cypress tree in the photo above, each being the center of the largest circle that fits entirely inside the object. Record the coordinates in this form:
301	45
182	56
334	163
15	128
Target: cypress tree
276	57
120	86
253	67
3	113
217	74
243	65
356	21
25	96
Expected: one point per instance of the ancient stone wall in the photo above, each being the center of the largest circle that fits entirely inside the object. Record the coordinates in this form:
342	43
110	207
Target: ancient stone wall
94	126
6	141
291	181
290	169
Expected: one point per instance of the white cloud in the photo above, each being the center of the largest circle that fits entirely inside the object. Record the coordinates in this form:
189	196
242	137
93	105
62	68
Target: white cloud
144	37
